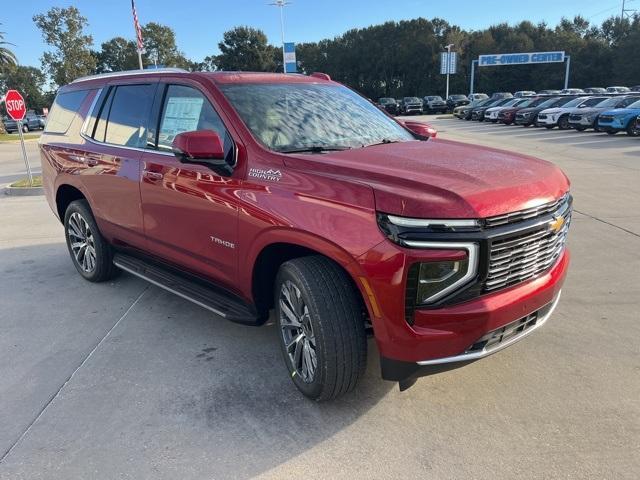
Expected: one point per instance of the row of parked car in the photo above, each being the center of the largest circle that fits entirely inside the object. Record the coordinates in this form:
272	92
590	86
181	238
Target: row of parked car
436	104
31	121
609	112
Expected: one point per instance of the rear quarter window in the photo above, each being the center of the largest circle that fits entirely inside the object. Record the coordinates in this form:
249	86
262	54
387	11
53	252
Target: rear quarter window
64	109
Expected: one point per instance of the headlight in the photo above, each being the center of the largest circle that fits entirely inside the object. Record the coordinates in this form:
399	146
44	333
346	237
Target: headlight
526	114
437	279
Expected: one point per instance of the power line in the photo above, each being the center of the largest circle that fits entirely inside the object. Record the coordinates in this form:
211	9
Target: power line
626	11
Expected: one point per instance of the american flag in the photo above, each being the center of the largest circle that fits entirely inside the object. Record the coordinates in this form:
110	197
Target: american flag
136	25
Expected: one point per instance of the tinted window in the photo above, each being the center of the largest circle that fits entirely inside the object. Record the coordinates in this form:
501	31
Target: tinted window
593	102
103	115
186	109
129	115
64	110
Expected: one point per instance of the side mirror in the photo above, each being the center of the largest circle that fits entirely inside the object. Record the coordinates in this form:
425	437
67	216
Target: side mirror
203	147
421	129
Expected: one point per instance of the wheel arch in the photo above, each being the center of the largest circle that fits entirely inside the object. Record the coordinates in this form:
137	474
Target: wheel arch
271	255
65	194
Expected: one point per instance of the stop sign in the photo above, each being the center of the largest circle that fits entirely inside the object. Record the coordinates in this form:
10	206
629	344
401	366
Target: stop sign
15	105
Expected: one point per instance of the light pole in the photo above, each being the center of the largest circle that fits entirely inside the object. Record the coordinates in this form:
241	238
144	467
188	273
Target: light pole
448	47
281	4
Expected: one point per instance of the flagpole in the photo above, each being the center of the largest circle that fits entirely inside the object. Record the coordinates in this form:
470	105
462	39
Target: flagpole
136	28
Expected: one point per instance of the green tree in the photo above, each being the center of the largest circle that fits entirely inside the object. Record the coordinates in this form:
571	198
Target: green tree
116	55
247	49
63	29
29	81
7	57
161	49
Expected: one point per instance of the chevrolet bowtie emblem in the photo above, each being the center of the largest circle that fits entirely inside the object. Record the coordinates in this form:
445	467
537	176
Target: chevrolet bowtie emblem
556	224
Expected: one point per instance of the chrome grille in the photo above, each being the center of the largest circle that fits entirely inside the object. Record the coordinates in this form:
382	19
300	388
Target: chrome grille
527	213
521	256
542	116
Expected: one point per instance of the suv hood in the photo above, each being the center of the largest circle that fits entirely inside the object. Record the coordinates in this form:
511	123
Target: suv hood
622	111
441	179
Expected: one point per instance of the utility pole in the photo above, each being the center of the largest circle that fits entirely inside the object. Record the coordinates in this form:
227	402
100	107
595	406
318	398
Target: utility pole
627	12
281	4
448	47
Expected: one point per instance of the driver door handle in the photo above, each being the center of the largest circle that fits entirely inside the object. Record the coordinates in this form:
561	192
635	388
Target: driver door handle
152	175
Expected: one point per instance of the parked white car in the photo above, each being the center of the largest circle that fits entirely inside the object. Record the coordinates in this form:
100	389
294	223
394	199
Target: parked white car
492	113
559	116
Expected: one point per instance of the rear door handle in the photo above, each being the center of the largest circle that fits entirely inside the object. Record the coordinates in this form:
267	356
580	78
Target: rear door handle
152	175
89	161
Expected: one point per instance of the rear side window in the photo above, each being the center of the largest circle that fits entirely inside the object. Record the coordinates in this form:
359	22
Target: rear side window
124	116
64	110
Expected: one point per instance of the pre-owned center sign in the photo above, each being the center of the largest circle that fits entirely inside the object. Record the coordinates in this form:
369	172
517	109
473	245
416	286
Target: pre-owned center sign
497	59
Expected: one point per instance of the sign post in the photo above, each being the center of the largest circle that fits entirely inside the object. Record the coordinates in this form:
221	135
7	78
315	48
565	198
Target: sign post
448	65
17	109
528	58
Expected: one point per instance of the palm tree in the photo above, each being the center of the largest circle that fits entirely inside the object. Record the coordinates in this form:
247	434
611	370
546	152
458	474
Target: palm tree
7	57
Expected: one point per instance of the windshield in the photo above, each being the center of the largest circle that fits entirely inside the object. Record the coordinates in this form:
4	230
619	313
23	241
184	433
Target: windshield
435	98
573	103
635	105
457	97
412	100
512	102
287	117
386	100
627	101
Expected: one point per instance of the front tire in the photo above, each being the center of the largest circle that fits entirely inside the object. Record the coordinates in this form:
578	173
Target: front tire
563	123
321	327
90	252
25	128
633	130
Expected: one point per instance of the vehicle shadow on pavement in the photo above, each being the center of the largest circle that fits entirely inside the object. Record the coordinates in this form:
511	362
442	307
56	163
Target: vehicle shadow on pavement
170	389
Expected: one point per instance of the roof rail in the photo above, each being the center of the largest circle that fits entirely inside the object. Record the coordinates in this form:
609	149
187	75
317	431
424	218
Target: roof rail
130	72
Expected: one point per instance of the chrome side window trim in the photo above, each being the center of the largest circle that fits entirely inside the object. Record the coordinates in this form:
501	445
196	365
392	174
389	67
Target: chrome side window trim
85	124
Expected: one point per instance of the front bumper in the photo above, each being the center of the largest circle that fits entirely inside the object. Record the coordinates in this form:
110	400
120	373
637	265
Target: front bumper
582	122
547	120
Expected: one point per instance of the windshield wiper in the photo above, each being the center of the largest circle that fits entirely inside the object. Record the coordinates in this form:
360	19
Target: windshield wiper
316	149
381	142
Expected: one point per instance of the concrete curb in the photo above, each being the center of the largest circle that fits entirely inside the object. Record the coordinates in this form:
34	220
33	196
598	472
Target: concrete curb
23	191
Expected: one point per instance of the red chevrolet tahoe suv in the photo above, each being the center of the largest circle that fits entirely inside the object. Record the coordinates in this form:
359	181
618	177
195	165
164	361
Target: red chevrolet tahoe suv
246	192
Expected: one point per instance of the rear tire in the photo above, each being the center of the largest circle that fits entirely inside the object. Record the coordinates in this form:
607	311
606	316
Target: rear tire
90	252
321	327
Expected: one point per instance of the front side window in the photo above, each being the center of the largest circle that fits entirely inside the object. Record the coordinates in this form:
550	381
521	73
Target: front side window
64	110
186	109
287	117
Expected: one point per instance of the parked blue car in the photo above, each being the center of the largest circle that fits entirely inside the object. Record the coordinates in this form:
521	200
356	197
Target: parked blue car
619	119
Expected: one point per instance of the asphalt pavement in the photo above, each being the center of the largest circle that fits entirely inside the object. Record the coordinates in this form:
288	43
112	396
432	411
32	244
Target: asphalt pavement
122	380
